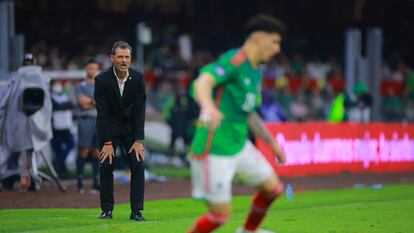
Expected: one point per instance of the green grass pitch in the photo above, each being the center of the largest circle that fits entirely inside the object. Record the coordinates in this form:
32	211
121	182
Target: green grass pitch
359	210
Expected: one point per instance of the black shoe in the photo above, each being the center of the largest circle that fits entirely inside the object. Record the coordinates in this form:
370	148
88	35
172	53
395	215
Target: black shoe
79	186
137	216
105	215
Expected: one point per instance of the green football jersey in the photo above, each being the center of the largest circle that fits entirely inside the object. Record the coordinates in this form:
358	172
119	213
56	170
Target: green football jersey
236	93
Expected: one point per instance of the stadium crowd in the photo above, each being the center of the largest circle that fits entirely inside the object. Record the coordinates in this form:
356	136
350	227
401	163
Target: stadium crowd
295	88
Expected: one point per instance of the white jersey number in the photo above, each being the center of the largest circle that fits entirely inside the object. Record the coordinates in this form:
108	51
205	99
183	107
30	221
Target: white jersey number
249	102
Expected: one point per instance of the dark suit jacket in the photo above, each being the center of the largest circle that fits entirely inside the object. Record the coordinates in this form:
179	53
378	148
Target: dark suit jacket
119	115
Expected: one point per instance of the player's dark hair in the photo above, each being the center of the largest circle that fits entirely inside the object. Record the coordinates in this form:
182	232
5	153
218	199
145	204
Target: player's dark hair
120	44
265	23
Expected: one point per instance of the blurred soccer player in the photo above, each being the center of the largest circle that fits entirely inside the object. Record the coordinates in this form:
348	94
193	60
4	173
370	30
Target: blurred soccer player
227	91
86	127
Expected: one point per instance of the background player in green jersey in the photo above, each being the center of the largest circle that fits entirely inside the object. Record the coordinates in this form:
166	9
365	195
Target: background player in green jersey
227	91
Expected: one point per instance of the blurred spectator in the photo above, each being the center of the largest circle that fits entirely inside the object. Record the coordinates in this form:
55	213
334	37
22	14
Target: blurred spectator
386	71
269	109
164	61
297	65
55	59
160	95
409	83
317	70
336	81
185	47
88	148
333	65
40	51
176	113
392	107
69	90
277	68
102	58
337	111
283	95
71	65
409	111
62	123
359	106
271	70
298	109
400	73
316	104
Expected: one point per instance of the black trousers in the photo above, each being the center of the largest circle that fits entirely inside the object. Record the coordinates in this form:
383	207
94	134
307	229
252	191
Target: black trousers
137	177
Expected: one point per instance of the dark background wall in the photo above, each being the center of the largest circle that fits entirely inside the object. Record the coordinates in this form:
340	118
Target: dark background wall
316	27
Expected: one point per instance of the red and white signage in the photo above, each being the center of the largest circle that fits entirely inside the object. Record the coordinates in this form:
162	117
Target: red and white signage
326	148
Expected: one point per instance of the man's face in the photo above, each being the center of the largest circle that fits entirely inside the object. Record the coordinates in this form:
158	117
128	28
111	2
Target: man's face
269	45
92	70
121	59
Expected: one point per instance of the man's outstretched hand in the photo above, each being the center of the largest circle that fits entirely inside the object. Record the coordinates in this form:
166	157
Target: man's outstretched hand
107	152
139	150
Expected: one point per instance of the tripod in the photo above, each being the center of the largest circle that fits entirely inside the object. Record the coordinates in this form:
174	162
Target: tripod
30	174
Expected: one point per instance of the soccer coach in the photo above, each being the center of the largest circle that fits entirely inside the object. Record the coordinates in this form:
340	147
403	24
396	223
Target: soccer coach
120	102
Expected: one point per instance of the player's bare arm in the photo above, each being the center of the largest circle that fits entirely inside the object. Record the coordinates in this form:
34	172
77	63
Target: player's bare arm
210	116
85	102
258	129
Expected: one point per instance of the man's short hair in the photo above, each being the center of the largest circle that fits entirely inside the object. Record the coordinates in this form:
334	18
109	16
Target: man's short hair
120	44
265	23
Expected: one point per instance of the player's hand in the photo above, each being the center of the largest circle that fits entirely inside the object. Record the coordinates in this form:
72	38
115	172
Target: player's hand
280	154
139	150
210	117
107	152
95	154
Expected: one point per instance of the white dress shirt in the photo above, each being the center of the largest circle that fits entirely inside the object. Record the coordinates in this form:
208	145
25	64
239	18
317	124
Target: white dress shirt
121	82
